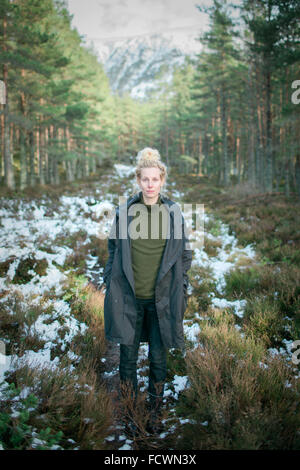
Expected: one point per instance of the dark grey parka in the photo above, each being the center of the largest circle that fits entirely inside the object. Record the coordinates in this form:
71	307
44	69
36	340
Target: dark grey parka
120	309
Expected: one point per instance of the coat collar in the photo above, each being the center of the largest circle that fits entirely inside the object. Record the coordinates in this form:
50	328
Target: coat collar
138	197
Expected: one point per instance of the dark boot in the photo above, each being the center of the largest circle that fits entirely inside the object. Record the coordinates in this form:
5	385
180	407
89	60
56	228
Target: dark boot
128	399
131	430
154	424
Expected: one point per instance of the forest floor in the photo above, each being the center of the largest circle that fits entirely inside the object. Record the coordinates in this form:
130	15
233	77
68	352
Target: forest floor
236	386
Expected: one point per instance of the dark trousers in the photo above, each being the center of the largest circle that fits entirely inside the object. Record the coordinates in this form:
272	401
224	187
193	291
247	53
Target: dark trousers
157	355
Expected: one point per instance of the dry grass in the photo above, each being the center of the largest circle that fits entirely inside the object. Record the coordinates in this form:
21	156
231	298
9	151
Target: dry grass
87	305
244	189
270	221
71	399
264	279
242	281
240	392
81	249
16	322
263	319
68	402
135	410
211	246
26	269
277	284
202	285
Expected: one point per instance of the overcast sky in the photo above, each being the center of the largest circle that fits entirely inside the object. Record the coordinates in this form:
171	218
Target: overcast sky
100	20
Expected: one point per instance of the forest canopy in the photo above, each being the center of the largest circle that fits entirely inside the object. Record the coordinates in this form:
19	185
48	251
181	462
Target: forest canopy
231	113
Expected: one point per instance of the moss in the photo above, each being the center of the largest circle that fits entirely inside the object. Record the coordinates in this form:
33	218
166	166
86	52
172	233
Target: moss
175	363
26	269
239	282
262	319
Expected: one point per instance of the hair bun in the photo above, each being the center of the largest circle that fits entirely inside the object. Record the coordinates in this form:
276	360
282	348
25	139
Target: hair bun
148	154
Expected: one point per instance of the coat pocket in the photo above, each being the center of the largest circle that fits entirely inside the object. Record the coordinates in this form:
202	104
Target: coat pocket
113	312
129	318
164	308
129	306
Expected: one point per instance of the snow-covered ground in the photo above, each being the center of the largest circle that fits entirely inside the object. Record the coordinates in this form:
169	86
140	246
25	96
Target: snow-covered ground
35	229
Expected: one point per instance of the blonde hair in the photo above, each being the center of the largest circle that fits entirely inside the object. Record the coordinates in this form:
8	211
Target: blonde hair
150	158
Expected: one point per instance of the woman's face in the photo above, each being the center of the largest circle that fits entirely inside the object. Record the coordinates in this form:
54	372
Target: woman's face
150	183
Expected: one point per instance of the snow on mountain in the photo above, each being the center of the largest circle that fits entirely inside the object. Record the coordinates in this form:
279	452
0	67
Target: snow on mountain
133	65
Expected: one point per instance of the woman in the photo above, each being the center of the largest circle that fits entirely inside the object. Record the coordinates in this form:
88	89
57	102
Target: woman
146	277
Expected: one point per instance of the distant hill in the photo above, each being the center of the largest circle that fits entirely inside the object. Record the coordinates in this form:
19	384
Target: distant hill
133	65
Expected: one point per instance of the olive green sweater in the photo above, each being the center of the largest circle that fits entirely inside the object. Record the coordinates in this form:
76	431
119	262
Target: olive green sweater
146	253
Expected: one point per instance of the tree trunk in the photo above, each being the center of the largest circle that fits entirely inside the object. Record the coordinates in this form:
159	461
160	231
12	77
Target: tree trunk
200	157
69	167
23	163
22	140
55	158
251	131
31	159
42	156
50	158
224	158
269	150
8	162
69	171
297	174
166	136
2	145
259	170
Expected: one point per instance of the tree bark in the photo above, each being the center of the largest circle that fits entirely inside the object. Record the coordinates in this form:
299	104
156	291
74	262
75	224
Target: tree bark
31	159
297	174
23	163
269	149
8	162
259	170
42	156
55	158
224	158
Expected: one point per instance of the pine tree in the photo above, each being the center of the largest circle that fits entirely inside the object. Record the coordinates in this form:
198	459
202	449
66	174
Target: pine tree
275	31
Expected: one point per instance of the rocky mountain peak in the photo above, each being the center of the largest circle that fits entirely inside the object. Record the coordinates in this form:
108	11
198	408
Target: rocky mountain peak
134	65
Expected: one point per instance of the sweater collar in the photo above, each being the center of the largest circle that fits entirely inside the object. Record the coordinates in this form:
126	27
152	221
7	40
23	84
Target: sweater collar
159	201
137	198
